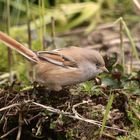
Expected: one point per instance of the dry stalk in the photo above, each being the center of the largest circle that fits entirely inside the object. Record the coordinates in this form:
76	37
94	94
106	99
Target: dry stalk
10	106
20	122
9	132
74	115
77	116
137	4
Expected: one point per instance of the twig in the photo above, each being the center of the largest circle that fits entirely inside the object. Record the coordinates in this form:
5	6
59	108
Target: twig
34	117
74	115
137	4
51	109
6	75
109	136
17	127
10	106
77	117
14	105
9	132
19	133
20	122
5	124
3	81
116	41
76	105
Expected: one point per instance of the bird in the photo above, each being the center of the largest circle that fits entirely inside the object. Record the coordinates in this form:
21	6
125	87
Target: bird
59	67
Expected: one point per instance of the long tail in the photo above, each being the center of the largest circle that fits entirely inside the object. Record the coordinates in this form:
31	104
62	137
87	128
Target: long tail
13	44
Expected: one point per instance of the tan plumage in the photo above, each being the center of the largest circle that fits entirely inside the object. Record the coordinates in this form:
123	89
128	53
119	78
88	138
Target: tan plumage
61	67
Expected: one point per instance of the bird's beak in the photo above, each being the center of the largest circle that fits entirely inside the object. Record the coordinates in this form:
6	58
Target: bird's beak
104	69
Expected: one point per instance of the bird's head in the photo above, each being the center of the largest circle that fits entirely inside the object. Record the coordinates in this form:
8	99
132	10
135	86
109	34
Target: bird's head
99	62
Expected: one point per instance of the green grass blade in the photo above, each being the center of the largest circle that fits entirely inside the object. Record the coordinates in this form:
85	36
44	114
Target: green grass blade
108	107
130	39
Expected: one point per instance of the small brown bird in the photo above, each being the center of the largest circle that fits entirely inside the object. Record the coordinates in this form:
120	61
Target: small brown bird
60	67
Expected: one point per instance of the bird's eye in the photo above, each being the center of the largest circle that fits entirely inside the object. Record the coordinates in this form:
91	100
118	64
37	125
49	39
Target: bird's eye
97	64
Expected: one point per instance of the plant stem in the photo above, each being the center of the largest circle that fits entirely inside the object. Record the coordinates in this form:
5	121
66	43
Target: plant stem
42	29
28	25
8	32
53	32
121	46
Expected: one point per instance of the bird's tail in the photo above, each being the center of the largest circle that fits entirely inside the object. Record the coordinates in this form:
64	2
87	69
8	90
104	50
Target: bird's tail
13	44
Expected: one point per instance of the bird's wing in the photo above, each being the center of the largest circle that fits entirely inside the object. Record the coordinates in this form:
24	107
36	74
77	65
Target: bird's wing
57	58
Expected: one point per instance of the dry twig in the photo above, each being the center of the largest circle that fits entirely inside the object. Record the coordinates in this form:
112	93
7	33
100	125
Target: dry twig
74	115
77	116
137	4
9	132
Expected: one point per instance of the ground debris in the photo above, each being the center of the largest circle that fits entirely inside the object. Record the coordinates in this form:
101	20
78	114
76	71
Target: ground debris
19	118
